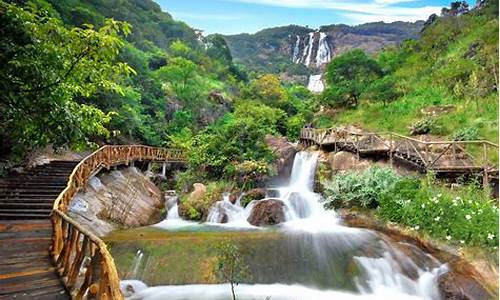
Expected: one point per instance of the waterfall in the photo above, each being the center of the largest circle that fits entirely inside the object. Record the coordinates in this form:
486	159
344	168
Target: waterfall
315	84
296	50
173	209
315	256
309	49
324	54
136	264
226	212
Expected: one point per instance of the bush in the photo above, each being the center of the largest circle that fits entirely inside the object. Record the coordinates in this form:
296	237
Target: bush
463	216
466	134
424	126
353	189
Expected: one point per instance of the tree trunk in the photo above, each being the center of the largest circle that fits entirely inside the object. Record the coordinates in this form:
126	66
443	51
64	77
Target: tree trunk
232	290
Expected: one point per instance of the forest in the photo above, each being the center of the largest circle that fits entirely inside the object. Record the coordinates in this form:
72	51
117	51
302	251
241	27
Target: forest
78	75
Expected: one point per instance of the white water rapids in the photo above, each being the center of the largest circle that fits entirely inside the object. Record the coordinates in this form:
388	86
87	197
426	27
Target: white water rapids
315	241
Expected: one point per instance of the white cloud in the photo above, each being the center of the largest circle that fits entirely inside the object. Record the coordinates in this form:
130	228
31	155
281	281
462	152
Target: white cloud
370	11
390	2
209	17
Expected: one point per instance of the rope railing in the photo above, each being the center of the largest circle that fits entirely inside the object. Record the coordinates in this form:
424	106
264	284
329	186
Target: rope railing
81	258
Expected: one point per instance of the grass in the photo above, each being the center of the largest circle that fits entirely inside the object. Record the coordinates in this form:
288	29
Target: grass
399	115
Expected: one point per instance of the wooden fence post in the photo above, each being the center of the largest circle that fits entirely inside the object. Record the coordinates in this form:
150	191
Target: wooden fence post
486	180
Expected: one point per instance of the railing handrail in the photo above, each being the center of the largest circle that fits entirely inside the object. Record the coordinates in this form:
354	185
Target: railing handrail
321	130
105	156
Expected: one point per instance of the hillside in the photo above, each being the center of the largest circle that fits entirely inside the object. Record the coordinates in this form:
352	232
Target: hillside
445	84
161	57
297	50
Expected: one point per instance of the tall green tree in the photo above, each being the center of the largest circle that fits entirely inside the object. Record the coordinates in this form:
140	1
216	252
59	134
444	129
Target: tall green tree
348	76
46	69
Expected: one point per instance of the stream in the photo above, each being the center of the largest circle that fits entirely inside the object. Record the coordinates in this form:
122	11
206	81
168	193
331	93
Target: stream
311	255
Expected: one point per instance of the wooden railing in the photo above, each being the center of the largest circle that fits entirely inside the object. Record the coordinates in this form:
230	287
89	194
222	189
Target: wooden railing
81	258
437	156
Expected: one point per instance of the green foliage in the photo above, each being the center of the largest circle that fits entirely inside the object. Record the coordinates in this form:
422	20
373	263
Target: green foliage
424	126
59	68
354	189
230	266
466	134
45	67
238	137
454	63
347	77
463	216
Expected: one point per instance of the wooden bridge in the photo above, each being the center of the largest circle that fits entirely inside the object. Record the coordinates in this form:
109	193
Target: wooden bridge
44	254
441	157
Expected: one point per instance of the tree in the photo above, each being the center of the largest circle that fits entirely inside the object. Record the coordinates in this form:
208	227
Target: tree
347	77
268	89
47	70
383	89
230	266
457	8
179	76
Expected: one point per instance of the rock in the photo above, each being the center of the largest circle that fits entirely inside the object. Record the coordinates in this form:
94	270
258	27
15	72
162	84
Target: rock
456	286
343	161
121	198
199	191
267	212
285	153
233	198
437	110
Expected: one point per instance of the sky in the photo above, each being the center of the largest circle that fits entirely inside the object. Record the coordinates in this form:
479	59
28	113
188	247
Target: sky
250	16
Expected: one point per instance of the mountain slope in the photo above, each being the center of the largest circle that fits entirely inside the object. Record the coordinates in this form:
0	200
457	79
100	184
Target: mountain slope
298	50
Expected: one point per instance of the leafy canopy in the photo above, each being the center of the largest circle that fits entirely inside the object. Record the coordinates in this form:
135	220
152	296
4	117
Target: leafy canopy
348	75
46	67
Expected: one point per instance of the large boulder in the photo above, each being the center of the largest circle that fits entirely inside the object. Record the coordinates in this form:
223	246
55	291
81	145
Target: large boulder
456	286
193	206
343	161
199	191
118	199
285	154
267	212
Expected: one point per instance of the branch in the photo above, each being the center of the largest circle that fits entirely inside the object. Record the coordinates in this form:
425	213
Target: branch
84	53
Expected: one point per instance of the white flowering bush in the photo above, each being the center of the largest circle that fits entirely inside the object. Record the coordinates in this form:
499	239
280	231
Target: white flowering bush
463	216
354	189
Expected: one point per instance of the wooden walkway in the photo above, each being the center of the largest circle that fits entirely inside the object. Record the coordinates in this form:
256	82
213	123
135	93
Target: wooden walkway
44	254
441	157
26	269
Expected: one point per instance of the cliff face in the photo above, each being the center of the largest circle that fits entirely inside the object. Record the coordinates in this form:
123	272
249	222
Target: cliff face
297	52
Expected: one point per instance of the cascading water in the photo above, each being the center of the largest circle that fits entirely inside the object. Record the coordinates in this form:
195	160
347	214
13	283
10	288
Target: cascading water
324	54
311	255
309	49
296	51
136	264
315	84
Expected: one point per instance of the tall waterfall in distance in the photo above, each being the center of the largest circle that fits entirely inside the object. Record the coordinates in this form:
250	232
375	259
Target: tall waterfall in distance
315	84
296	51
323	55
309	49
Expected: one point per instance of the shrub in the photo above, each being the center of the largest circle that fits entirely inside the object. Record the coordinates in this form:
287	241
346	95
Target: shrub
424	126
359	189
466	134
463	216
